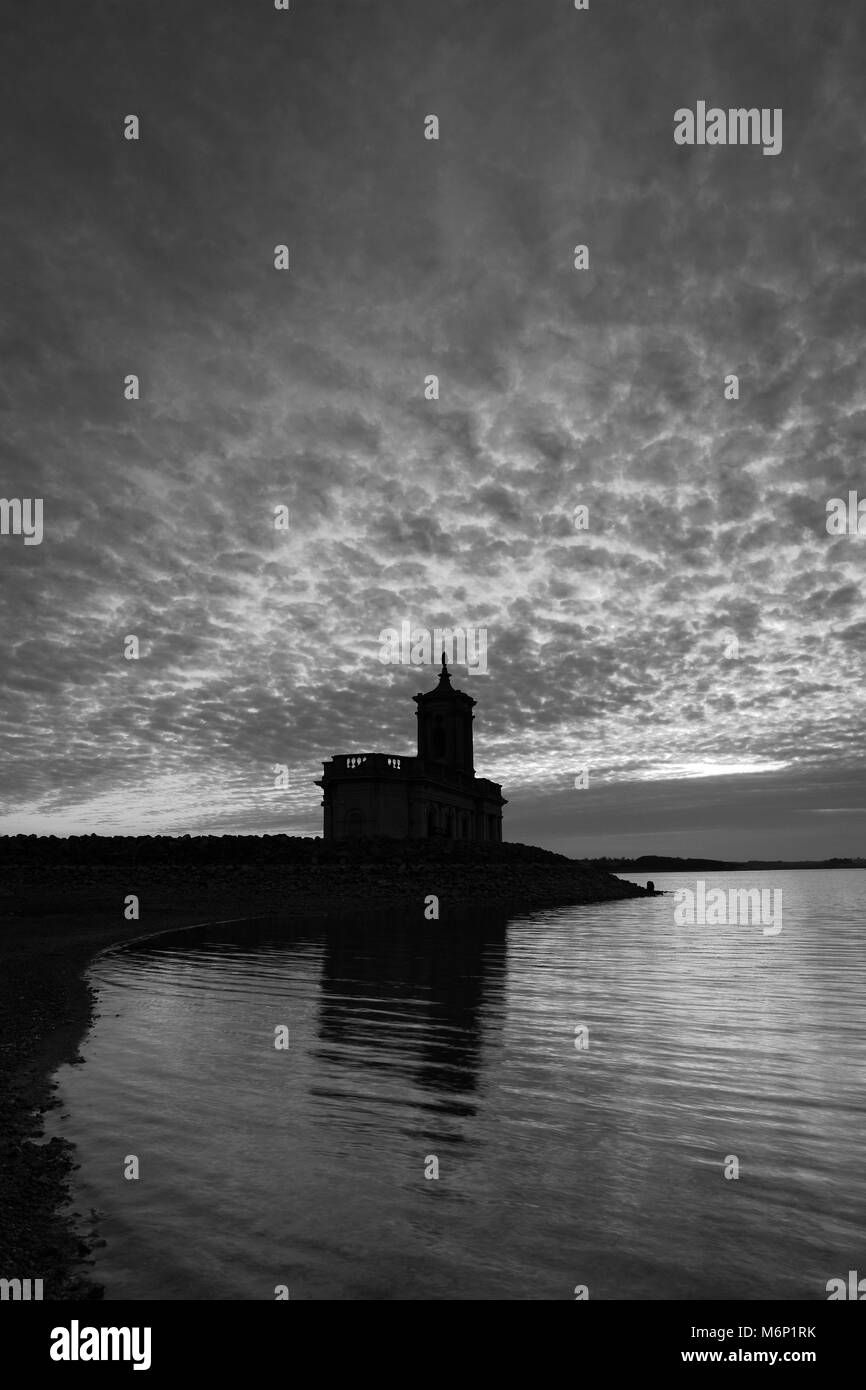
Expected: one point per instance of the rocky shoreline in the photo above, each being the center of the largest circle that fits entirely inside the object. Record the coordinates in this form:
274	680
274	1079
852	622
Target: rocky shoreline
59	907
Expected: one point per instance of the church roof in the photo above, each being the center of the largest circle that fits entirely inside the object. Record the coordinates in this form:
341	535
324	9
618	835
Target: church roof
444	690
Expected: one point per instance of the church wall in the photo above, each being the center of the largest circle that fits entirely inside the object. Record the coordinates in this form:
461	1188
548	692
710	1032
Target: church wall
382	808
408	809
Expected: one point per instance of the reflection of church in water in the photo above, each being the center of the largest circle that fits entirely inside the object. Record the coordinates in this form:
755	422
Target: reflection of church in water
433	794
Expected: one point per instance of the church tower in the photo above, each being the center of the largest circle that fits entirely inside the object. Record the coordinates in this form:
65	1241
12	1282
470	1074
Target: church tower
445	725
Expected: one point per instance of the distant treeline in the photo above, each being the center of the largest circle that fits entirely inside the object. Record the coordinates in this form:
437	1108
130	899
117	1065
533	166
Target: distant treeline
653	863
255	849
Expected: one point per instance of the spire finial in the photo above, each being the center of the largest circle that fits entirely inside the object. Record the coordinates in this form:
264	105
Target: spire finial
444	663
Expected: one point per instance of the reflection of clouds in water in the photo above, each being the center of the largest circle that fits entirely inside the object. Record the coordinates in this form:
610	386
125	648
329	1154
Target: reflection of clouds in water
412	1042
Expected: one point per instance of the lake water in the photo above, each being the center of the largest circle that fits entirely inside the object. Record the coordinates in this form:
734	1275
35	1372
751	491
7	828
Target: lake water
558	1165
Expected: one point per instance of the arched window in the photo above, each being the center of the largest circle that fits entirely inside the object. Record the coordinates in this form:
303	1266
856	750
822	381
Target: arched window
439	740
354	824
431	820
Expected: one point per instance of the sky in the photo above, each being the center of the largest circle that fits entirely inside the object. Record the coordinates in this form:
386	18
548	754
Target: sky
697	649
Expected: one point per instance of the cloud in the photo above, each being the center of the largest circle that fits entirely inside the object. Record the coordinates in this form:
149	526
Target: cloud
558	388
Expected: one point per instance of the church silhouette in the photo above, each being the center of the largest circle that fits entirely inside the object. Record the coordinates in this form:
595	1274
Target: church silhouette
435	794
